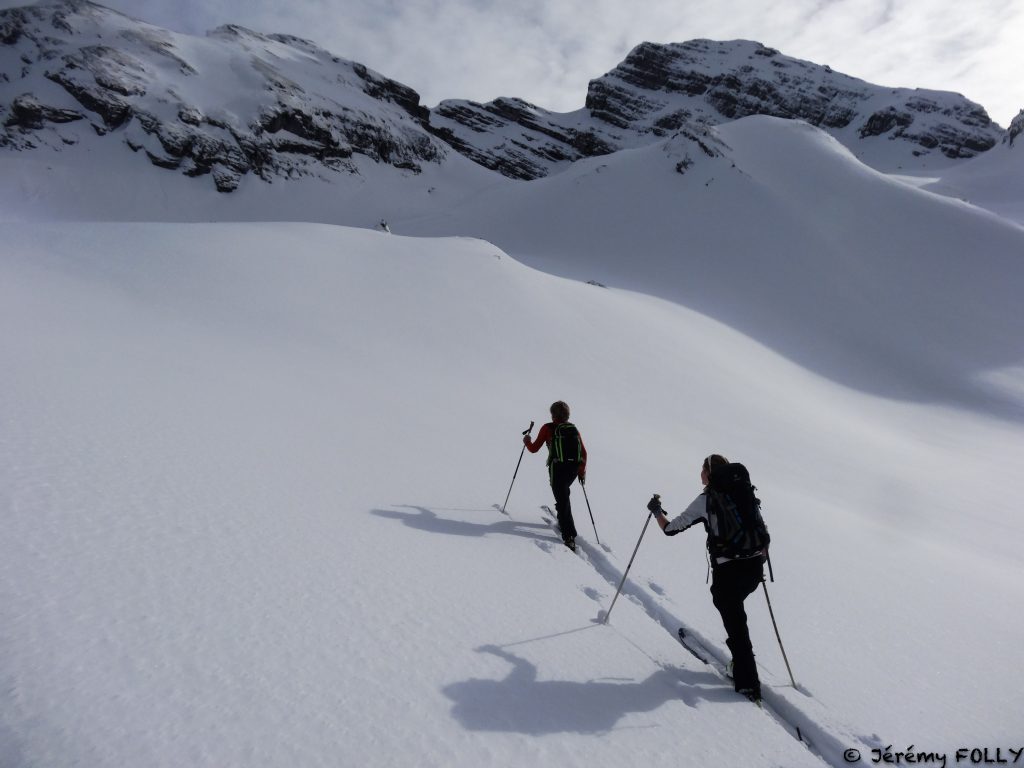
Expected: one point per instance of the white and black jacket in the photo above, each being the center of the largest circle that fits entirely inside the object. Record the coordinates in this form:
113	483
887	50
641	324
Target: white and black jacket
699	511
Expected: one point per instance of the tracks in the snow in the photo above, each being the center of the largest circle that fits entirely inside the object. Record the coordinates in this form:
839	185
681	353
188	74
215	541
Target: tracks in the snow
818	738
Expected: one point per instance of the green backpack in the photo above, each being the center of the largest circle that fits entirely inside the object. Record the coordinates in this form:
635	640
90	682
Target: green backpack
566	445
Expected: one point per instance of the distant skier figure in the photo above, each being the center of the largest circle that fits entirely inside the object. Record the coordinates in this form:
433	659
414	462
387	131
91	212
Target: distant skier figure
384	226
737	545
567	460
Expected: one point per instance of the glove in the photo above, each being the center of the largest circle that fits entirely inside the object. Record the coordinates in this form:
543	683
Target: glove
583	477
526	440
654	505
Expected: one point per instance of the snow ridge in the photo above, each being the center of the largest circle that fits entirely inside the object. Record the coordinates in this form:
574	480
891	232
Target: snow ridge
240	102
232	103
660	89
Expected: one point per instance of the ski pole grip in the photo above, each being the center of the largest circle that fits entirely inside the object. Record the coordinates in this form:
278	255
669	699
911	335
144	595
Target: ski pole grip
529	429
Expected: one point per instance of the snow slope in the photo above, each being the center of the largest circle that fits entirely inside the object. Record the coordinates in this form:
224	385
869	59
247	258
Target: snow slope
882	286
659	88
765	213
237	102
104	183
247	474
994	181
225	105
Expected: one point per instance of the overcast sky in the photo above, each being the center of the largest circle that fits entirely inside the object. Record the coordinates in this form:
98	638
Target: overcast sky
546	51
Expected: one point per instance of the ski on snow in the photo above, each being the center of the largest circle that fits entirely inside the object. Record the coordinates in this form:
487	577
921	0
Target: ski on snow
550	518
693	646
682	639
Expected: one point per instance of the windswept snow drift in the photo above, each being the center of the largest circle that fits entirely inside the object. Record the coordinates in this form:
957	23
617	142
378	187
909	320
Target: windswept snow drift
248	475
774	228
248	472
994	180
882	287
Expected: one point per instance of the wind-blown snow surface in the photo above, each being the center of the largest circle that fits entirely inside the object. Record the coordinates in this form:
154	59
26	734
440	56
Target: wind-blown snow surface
994	180
884	287
248	473
777	230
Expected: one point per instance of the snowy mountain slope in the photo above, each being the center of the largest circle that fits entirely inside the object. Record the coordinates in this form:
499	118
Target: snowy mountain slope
238	103
232	103
104	183
762	205
881	286
919	291
995	180
659	89
248	494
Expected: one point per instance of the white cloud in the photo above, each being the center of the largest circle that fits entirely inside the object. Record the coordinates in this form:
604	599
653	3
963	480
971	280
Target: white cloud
547	50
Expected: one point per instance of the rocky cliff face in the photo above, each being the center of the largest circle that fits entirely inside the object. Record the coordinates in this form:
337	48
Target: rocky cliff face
238	102
659	89
233	103
516	138
1016	128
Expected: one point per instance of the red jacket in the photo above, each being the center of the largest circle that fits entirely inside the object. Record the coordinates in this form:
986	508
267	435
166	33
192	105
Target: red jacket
544	438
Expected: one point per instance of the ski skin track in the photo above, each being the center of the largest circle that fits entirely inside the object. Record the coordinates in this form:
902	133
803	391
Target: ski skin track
716	665
820	742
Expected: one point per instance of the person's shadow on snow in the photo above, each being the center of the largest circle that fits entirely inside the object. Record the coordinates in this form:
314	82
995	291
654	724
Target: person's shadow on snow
523	704
425	519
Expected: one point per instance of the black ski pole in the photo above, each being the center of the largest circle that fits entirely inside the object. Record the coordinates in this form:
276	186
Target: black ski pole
771	573
623	581
527	431
591	513
777	636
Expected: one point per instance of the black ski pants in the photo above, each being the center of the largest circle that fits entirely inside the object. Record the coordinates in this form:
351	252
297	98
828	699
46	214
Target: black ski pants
732	582
562	473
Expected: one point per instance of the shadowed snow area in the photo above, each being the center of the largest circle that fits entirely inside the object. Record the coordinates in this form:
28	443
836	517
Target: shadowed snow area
782	234
248	475
769	226
994	180
253	448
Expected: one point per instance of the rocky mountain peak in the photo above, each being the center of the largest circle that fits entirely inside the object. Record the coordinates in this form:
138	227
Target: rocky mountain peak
1016	128
707	81
59	18
186	104
660	89
238	101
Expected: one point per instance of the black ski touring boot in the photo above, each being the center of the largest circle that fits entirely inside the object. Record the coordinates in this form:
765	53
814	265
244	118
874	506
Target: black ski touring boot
753	694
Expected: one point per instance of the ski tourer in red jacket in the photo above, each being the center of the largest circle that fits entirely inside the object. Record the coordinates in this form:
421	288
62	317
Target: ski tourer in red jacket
567	460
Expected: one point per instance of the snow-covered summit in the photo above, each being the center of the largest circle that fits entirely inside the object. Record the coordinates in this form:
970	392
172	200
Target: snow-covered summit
214	555
238	101
659	89
231	103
